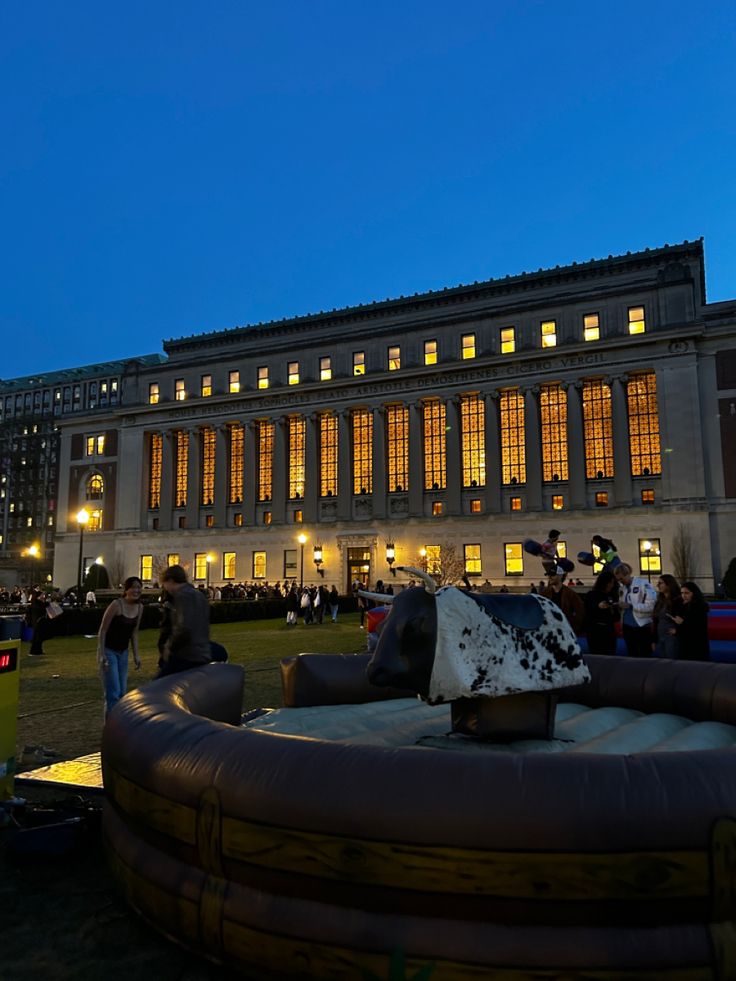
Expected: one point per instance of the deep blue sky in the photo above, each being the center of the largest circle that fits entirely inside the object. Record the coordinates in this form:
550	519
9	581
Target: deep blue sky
171	168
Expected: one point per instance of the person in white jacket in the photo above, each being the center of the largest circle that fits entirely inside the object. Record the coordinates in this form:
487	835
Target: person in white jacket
636	602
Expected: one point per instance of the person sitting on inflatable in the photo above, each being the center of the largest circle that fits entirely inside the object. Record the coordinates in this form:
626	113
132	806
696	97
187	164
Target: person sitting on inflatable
607	553
552	563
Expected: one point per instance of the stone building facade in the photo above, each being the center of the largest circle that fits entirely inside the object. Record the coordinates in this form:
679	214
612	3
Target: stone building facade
451	425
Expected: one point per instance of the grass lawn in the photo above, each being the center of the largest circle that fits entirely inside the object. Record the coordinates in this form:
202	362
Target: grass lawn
61	705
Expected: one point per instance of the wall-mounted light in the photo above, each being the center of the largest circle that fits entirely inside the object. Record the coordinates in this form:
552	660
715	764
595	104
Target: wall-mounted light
318	560
391	557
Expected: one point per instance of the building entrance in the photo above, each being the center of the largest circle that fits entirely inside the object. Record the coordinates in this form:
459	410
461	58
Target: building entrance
359	567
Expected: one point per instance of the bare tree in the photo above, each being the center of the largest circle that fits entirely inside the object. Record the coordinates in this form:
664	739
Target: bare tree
684	553
446	565
159	565
116	570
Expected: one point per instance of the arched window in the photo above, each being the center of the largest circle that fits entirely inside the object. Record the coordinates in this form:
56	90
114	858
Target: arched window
95	487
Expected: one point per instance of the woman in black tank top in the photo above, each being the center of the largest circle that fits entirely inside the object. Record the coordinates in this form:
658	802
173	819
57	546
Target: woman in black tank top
118	632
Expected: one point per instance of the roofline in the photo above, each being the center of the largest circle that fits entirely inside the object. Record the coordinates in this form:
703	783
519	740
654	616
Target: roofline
505	284
42	379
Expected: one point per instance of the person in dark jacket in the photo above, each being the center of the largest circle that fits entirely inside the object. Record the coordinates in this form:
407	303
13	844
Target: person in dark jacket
668	606
691	624
188	645
601	613
568	601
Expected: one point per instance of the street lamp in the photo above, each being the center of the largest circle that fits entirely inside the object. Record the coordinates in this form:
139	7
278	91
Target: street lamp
82	520
647	546
207	561
302	539
423	557
391	557
32	552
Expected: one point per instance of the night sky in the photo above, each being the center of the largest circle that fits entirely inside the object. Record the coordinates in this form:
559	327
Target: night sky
173	168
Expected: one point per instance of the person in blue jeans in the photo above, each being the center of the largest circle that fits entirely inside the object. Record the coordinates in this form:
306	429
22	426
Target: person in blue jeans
119	632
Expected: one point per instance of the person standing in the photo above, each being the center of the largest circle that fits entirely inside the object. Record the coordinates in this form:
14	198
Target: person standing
568	601
119	632
601	613
691	624
334	601
188	644
668	605
636	602
292	606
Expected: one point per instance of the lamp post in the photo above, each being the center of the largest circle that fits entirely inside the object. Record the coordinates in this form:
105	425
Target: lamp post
32	552
647	546
82	519
207	561
423	557
302	539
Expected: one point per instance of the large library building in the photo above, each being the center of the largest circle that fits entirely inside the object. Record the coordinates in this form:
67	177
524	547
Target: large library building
449	426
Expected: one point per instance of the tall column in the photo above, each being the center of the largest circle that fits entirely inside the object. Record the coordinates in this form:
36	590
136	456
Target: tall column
622	483
311	467
344	475
493	455
194	477
379	462
250	470
575	445
167	481
222	481
453	460
416	461
145	483
533	449
280	475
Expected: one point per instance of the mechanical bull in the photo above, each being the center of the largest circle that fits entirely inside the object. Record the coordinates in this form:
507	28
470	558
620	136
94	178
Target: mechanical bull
448	644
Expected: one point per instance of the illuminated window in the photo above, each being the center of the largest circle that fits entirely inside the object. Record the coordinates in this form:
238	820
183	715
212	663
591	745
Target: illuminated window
515	504
475	506
362	421
562	548
433	559
182	467
207	487
467	346
598	429
95	488
513	453
394	358
146	568
637	323
236	432
154	473
238	519
290	566
591	327
601	499
647	496
173	558
259	565
325	369
437	509
209	521
228	565
206	386
644	425
297	443
397	447
298	517
508	340
650	556
95	520
430	352
328	423
548	330
95	445
233	382
265	429
180	392
200	565
359	362
293	372
558	503
154	393
473	440
434	421
267	516
513	559
472	560
263	377
553	420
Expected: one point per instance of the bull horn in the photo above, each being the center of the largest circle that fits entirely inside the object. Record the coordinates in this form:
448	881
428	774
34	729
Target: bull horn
429	584
379	597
